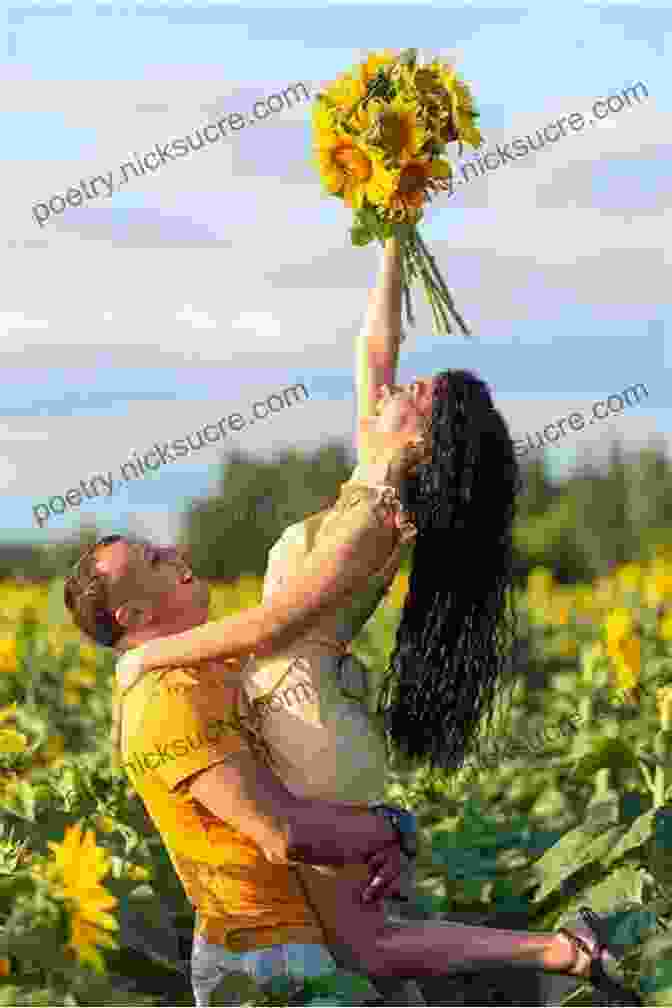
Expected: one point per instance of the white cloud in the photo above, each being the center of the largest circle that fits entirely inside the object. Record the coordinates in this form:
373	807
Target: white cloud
18	320
266	328
292	283
197	319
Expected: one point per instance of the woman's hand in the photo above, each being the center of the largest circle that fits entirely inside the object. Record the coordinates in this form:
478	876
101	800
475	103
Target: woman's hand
386	868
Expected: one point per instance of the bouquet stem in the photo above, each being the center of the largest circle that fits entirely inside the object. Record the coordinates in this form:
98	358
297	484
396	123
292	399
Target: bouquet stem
418	263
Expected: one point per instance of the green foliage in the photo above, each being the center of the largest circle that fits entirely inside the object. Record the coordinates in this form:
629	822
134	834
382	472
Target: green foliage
230	533
538	831
580	529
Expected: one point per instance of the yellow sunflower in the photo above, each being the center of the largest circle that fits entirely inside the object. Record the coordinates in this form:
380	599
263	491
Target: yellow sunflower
462	106
664	705
71	696
88	655
7	712
12	742
54	748
566	646
629	576
7	654
665	626
347	169
83	677
406	189
349	88
374	62
540	582
398	590
619	625
74	875
417	78
393	128
658	587
559	610
343	93
627	659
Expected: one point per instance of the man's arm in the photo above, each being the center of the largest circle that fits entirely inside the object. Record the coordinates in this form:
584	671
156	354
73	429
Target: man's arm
245	793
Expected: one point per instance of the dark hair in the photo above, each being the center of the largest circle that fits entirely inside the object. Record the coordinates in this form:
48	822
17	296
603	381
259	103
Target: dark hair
85	594
452	645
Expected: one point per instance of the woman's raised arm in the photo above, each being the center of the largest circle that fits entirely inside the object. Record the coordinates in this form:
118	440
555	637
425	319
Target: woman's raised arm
377	350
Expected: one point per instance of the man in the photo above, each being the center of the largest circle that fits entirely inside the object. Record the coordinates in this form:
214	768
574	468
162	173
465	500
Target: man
184	747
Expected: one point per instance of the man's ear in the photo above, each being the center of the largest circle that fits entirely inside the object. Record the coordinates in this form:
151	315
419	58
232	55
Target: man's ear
132	616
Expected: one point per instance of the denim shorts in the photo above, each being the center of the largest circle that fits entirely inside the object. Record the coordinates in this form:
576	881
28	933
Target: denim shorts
210	963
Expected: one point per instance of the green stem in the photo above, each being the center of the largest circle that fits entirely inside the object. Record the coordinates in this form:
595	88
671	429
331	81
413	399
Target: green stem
418	263
659	787
586	708
646	774
406	278
427	255
602	781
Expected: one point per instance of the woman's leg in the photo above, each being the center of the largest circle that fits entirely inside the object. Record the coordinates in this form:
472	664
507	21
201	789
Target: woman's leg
318	886
412	949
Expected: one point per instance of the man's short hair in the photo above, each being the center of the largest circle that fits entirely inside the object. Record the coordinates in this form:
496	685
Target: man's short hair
86	595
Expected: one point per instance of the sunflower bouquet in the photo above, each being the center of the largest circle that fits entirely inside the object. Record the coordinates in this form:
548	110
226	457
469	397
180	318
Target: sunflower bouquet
380	135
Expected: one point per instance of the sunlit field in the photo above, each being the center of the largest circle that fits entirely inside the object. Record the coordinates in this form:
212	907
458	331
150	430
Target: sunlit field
568	804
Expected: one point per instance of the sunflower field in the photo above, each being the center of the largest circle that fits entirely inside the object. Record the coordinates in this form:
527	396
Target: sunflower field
540	821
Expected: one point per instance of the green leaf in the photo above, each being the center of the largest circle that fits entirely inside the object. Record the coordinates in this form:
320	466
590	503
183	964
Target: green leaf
609	752
507	897
237	988
576	849
638	834
360	237
622	888
626	929
338	987
38	946
656	976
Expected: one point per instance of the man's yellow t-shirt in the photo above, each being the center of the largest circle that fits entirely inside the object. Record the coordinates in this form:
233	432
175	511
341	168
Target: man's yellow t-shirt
174	723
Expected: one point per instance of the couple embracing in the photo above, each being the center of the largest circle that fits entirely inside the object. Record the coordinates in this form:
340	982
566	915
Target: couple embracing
275	823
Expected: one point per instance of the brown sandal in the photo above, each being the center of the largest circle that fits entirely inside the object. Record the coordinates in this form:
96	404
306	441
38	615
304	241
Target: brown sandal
616	992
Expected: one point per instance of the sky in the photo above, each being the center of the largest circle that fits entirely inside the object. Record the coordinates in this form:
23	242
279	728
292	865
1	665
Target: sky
139	313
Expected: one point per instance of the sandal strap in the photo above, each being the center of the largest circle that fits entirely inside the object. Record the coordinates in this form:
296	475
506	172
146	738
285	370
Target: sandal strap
601	980
577	941
594	922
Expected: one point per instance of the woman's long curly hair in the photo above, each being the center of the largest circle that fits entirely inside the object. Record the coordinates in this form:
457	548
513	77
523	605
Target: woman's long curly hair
459	621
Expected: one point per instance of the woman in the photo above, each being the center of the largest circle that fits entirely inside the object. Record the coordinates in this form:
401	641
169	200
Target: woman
451	644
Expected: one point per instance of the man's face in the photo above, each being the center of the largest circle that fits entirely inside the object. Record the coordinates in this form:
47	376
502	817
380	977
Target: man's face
152	588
